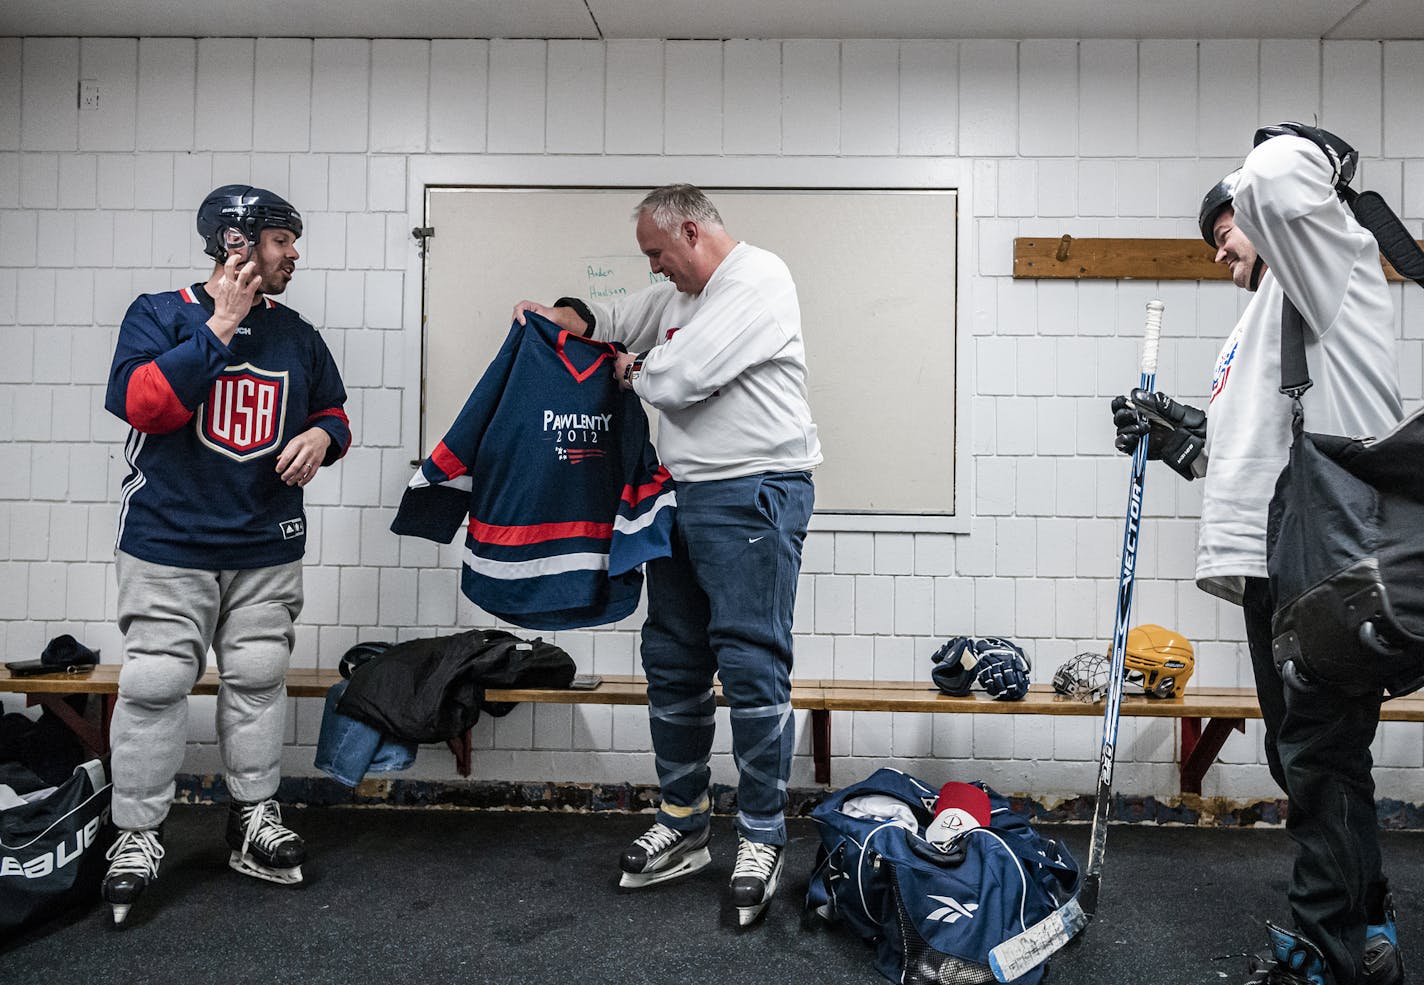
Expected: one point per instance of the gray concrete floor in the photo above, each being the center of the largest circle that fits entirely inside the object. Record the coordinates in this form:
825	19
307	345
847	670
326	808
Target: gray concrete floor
446	896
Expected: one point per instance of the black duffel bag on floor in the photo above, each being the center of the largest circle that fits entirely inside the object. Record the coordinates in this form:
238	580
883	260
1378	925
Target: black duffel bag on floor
52	849
1345	548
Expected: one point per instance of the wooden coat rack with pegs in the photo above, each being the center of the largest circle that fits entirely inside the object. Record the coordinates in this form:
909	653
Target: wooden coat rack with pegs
1071	258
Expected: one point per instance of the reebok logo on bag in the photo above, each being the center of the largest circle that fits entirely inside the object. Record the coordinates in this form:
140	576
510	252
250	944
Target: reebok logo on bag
952	909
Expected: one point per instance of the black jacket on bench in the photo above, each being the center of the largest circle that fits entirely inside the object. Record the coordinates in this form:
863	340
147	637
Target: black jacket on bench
433	689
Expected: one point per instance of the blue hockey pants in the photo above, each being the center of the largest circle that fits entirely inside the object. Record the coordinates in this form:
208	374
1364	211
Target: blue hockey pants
722	604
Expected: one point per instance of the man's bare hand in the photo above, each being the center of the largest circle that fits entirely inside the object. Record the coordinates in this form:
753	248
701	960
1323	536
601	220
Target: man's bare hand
234	296
303	455
565	318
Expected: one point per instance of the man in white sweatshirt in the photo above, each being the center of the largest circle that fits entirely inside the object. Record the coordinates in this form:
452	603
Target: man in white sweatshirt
717	349
1281	228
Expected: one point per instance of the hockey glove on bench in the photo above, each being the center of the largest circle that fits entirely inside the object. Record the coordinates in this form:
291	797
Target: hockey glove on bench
1177	431
995	664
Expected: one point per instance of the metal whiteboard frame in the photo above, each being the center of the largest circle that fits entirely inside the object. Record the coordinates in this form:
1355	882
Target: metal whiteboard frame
908	174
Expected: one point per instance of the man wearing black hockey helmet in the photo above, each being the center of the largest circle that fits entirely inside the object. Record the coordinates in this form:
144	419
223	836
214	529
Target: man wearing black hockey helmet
233	403
1280	225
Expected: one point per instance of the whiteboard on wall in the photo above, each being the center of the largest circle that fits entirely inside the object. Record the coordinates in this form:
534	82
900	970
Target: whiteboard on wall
874	271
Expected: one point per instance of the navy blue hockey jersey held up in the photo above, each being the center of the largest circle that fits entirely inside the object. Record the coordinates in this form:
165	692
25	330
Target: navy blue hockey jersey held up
551	461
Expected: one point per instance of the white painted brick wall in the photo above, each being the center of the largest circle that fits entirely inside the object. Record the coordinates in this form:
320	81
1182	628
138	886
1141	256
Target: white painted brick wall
634	94
517	76
692	107
1048	125
810	97
869	109
1109	137
400	82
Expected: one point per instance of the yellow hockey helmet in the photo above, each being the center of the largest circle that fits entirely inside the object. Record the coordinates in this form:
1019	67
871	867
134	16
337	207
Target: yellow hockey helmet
1158	662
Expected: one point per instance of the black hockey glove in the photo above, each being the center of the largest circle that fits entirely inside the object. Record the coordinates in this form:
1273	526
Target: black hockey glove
997	665
1178	431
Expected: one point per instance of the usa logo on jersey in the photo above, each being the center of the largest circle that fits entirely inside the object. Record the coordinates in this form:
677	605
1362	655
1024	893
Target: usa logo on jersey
244	413
1223	364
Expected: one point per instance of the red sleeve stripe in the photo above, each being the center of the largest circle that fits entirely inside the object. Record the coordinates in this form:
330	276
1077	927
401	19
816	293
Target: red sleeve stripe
332	412
633	495
150	404
446	461
537	533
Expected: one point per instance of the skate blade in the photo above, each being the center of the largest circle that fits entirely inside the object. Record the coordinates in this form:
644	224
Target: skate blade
121	910
747	915
283	877
690	863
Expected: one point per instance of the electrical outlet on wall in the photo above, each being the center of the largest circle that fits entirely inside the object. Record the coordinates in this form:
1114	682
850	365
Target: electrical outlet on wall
89	94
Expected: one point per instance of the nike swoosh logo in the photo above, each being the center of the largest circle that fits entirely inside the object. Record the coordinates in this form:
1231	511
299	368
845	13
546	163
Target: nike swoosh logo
753	540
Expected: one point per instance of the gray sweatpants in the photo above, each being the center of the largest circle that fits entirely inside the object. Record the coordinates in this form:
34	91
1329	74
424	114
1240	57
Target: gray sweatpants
170	617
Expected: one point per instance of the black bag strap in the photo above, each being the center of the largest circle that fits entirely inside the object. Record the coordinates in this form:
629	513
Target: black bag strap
1295	374
1399	248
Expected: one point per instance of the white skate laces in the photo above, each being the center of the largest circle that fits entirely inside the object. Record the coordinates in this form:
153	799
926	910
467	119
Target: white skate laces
135	853
662	853
263	827
656	839
754	878
755	860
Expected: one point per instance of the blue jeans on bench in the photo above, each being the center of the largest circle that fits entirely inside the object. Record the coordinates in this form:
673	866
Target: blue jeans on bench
346	750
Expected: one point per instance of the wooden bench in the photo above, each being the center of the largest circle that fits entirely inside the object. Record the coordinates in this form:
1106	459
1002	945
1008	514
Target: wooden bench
1208	715
50	690
1222	709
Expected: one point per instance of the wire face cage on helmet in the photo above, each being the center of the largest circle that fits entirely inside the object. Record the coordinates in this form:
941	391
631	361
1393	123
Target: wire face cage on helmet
234	216
1083	678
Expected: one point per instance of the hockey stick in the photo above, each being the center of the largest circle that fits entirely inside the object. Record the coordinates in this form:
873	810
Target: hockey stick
1023	952
1097	843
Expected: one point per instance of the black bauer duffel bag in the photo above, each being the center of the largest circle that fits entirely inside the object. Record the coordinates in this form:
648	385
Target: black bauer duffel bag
1345	547
52	850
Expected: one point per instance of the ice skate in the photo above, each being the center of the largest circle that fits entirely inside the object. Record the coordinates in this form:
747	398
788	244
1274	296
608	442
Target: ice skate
1293	960
133	860
663	853
261	846
1384	965
754	878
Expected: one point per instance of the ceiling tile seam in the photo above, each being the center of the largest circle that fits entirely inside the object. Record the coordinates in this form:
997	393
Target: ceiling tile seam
1330	31
597	28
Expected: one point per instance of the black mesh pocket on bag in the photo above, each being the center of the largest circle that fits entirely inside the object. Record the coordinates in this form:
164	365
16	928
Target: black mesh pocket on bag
923	964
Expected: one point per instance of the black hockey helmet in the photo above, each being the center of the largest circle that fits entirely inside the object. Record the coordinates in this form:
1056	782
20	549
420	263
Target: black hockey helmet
361	653
1343	158
1216	201
247	210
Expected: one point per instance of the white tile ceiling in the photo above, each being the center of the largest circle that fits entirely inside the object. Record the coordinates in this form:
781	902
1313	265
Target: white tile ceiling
1334	19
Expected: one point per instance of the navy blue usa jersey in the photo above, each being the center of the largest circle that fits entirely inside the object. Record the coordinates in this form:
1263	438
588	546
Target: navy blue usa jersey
207	423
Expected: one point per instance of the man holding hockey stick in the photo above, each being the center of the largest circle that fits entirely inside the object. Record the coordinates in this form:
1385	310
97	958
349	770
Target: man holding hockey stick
1280	226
